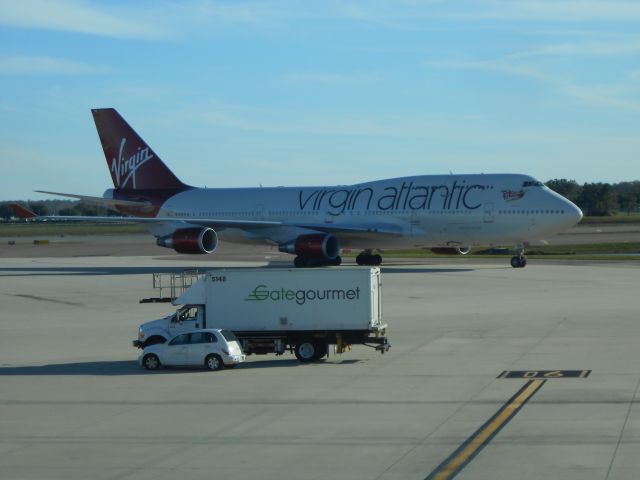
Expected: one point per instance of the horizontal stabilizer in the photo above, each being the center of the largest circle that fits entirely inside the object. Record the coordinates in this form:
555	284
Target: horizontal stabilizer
107	202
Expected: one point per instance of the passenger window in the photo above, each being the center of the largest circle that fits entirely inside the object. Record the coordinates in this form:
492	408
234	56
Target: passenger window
180	340
211	338
198	338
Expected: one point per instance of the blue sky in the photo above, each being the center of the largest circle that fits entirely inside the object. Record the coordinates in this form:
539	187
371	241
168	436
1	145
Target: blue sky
233	93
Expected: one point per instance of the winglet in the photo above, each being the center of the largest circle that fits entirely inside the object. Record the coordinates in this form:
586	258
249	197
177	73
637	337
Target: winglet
22	212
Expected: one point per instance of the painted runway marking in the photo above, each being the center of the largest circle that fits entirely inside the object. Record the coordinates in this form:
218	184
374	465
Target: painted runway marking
545	374
44	299
481	437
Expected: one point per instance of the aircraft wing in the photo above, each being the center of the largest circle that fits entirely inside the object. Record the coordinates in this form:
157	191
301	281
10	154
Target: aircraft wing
23	212
390	229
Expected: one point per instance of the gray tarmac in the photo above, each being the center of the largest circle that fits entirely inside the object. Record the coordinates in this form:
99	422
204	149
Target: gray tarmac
75	405
143	244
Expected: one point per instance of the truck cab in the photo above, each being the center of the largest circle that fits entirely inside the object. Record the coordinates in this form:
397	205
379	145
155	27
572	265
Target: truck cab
185	319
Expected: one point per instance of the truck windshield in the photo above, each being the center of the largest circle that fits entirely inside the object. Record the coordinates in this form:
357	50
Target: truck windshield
187	314
229	336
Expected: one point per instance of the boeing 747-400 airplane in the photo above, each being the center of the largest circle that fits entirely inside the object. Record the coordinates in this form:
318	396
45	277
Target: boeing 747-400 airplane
446	213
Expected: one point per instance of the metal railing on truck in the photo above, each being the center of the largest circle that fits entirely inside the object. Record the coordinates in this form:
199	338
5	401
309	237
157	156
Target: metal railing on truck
171	285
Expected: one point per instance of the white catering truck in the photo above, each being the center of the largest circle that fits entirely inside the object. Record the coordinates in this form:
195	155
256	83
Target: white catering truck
275	310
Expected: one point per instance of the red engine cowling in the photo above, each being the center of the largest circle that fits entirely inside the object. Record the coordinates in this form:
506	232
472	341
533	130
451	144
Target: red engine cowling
191	240
451	250
318	245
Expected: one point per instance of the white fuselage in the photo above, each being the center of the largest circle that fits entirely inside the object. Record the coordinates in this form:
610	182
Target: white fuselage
420	211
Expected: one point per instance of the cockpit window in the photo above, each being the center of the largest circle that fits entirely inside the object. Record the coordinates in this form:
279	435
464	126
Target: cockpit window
532	183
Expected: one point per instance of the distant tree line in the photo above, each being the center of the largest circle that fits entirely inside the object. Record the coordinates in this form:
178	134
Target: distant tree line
595	199
57	207
600	199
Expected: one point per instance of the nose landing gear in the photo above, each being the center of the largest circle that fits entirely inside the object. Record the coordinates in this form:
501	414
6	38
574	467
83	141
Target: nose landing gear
520	260
368	258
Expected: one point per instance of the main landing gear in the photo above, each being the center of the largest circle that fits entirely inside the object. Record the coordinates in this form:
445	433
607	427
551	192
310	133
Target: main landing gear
309	262
368	258
520	260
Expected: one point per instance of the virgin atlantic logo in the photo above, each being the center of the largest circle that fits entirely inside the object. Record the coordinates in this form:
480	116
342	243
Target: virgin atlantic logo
510	195
124	169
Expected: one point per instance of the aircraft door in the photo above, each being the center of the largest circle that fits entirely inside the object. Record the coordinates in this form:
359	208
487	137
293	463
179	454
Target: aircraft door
532	219
488	213
414	223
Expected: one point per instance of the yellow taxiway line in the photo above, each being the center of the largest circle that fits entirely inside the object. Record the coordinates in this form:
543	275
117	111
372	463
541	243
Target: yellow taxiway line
476	442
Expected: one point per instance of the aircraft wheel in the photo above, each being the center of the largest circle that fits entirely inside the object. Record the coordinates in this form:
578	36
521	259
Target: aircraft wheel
518	262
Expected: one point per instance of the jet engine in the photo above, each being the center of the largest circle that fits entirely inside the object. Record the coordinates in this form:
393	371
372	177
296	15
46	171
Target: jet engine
318	245
451	250
191	240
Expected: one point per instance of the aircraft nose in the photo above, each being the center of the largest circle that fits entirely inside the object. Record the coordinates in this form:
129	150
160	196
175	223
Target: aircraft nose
575	212
572	212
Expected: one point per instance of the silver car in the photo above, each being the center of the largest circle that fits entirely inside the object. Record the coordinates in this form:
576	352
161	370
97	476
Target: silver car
212	348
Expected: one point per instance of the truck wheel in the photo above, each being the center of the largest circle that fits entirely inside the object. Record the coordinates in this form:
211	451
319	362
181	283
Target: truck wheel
309	351
213	362
151	362
305	351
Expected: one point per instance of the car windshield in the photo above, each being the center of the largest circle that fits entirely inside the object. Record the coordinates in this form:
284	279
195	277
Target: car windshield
229	336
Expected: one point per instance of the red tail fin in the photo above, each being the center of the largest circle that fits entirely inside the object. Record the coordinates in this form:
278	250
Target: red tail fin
22	212
132	163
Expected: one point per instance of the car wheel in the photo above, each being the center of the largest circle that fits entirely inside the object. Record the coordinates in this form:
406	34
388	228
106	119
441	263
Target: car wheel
213	362
151	362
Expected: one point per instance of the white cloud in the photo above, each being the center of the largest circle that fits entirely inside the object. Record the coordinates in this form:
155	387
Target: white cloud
560	10
166	19
23	65
332	78
283	121
623	46
607	96
420	14
80	16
